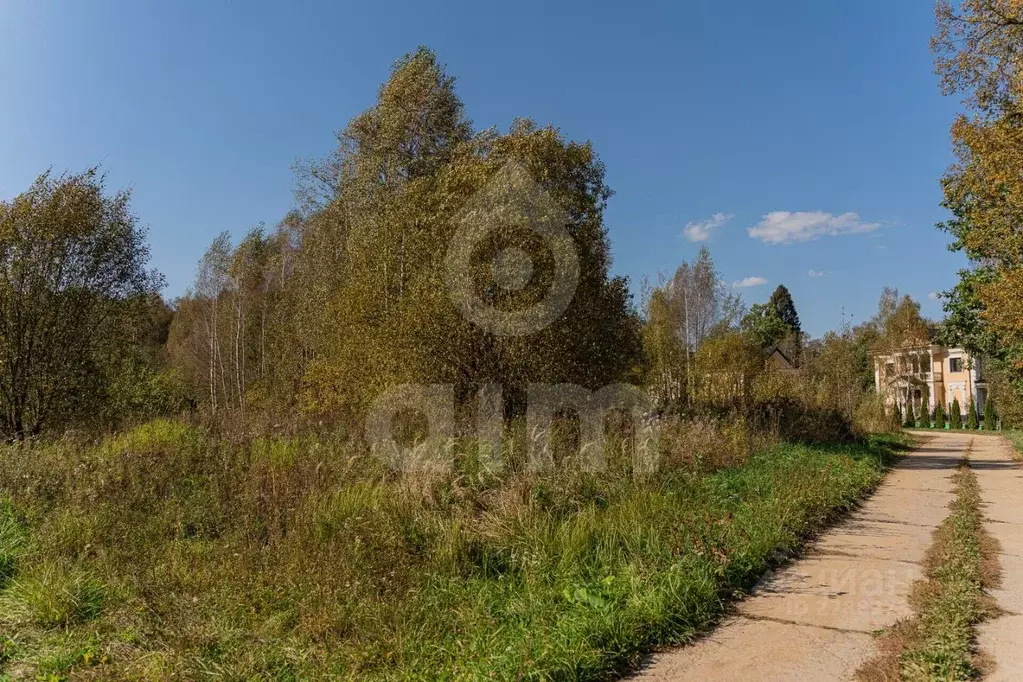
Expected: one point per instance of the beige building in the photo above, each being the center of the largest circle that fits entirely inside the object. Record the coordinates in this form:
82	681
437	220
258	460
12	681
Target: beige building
941	374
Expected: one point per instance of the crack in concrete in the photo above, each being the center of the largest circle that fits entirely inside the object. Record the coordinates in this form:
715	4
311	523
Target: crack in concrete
783	621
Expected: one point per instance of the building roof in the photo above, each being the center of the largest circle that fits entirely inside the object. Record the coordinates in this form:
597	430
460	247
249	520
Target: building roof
776	353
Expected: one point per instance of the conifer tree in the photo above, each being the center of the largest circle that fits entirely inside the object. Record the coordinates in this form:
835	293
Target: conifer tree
785	310
939	416
925	414
910	417
781	301
990	417
971	416
955	416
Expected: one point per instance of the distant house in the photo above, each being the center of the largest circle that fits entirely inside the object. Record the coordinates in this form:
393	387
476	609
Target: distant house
940	373
778	360
735	378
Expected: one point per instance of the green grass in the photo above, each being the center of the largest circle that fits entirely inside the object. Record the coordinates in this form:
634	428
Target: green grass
975	432
13	539
52	597
168	552
952	601
937	643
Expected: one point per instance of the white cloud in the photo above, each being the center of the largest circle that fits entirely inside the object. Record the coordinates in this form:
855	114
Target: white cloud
816	273
786	227
700	230
749	282
934	296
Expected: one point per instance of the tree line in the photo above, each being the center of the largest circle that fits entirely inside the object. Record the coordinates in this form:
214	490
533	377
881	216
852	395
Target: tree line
351	292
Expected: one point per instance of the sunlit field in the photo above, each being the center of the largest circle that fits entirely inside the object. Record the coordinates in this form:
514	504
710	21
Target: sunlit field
168	551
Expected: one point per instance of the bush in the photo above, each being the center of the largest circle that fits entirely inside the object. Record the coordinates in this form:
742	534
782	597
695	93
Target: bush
898	414
140	392
939	416
871	417
925	414
971	416
990	417
955	415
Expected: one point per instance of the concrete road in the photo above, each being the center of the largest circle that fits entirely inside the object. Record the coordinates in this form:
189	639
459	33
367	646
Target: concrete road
815	618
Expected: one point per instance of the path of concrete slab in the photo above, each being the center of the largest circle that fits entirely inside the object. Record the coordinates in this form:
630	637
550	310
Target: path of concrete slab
815	618
1001	489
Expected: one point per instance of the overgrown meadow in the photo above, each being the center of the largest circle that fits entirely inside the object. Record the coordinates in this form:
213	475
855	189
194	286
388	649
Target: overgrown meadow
171	552
184	495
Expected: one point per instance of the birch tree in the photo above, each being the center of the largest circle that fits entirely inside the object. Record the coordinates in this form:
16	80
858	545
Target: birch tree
690	307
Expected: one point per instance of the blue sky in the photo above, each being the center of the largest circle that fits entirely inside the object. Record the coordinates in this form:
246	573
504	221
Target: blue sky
817	125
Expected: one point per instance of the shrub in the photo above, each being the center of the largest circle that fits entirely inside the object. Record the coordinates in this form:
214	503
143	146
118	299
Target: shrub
925	414
898	413
871	417
971	416
939	416
990	417
955	415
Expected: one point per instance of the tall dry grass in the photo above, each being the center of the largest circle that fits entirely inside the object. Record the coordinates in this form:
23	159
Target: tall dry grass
173	551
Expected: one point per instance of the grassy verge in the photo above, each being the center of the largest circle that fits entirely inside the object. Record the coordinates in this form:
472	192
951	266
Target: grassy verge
167	553
938	642
972	432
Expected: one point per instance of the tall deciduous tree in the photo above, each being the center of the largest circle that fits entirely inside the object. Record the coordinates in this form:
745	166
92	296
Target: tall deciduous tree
901	332
74	290
977	55
686	310
763	326
352	294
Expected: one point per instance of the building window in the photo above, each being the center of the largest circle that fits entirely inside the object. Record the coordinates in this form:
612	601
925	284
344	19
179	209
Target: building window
955	364
889	369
